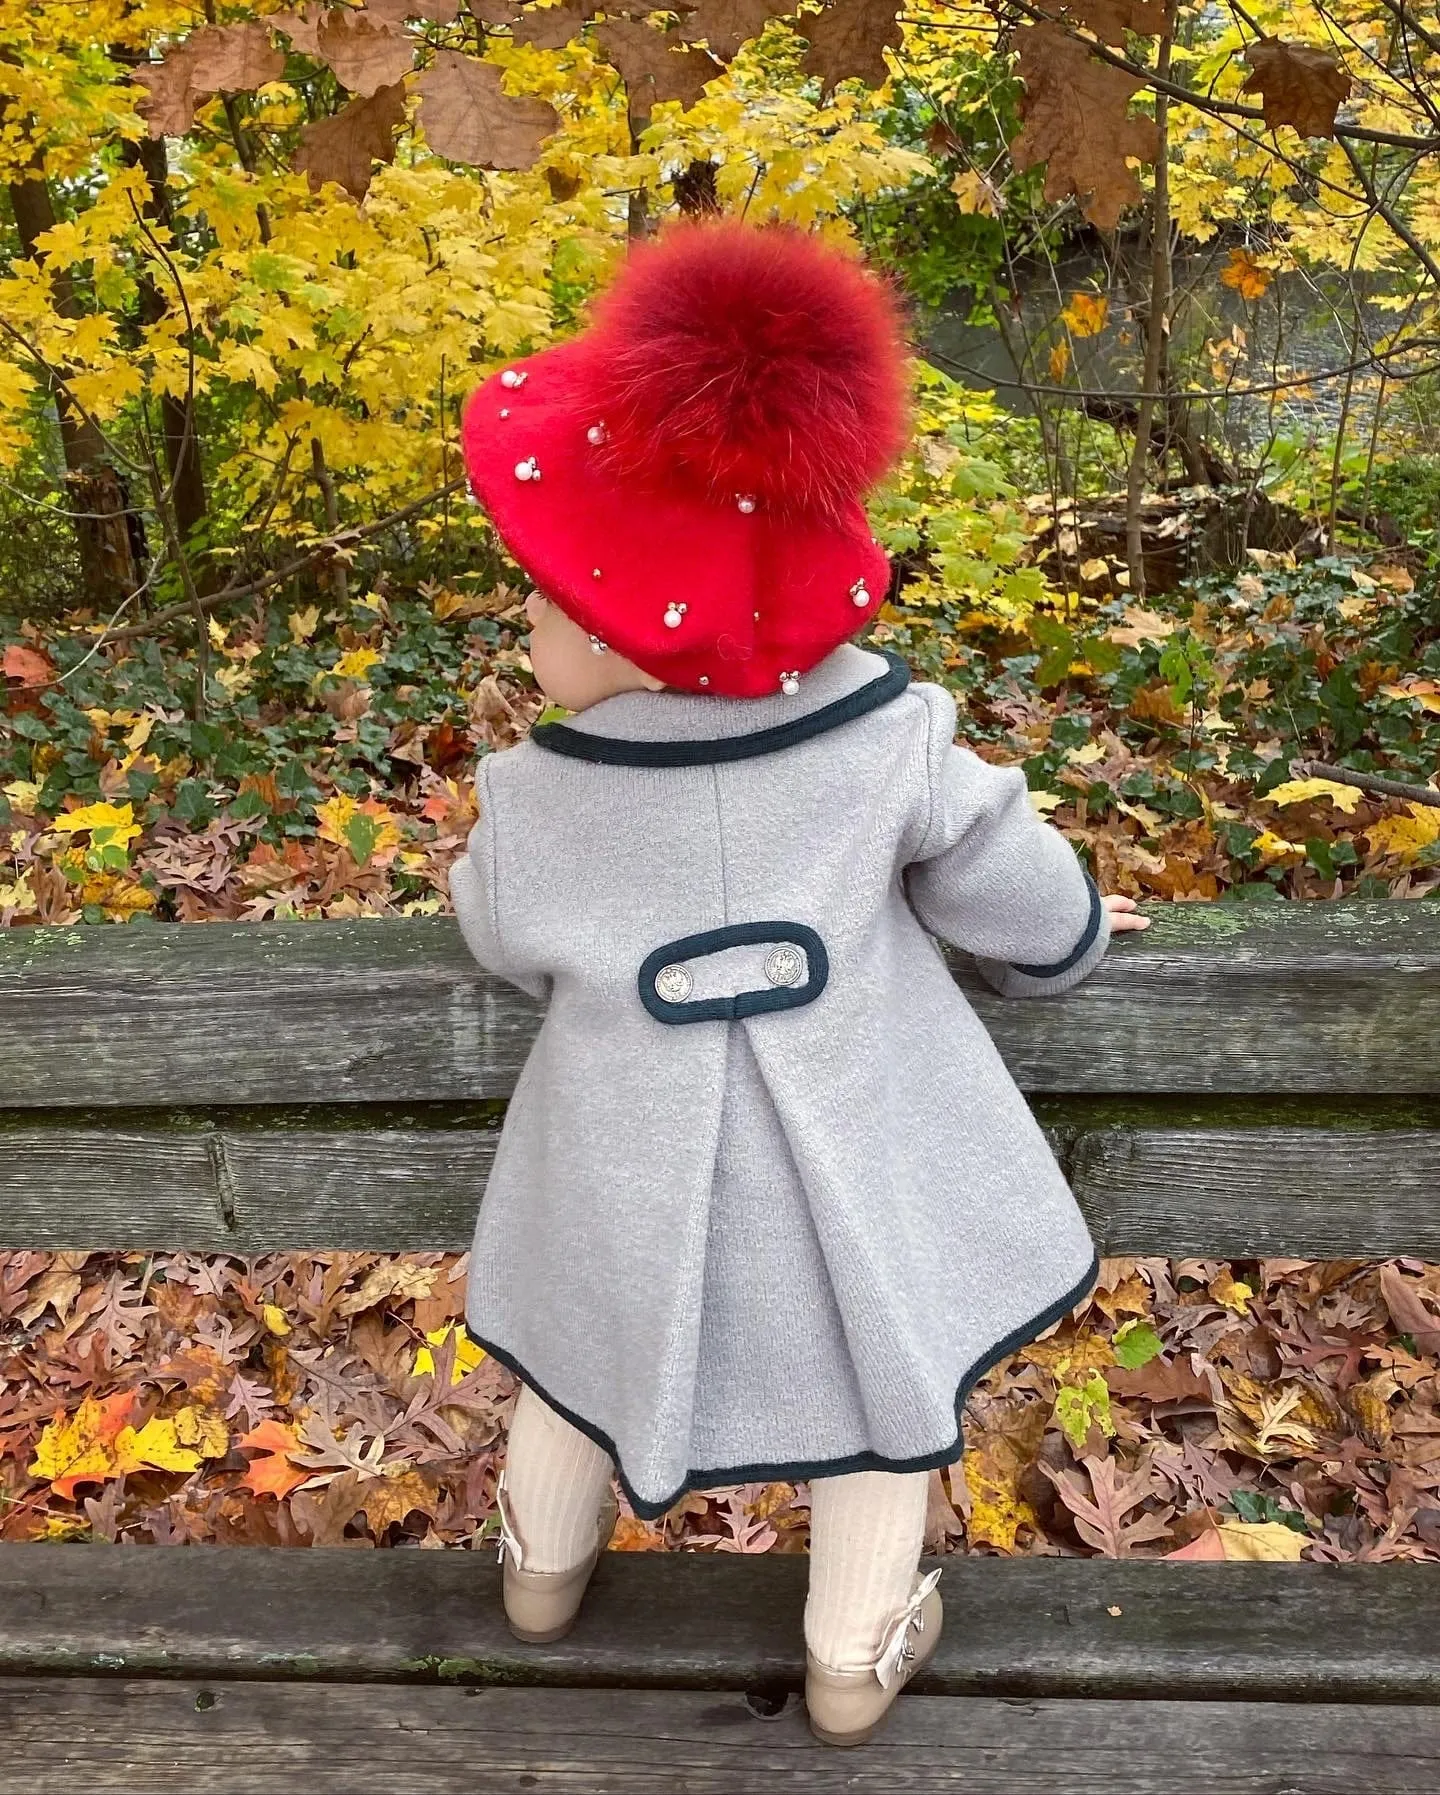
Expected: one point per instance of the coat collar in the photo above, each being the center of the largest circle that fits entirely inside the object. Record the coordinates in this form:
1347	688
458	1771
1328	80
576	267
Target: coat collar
682	729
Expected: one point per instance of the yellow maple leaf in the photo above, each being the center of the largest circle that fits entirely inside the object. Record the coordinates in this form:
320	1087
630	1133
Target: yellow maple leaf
1296	791
140	734
356	664
155	1446
115	821
303	624
1425	692
18	896
24	795
467	1354
1086	313
79	1448
1059	361
1402	837
1270	846
973	193
274	1317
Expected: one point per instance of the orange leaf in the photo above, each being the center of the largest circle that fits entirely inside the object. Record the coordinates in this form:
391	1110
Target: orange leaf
25	664
272	1474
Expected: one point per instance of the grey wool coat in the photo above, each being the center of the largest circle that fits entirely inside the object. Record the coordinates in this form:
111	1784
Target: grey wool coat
767	1201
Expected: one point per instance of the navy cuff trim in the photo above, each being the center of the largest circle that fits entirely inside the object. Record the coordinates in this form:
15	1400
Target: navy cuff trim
792	1471
744	1003
1082	947
621	751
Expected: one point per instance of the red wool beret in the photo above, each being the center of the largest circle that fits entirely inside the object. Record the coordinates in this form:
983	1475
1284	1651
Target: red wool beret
684	477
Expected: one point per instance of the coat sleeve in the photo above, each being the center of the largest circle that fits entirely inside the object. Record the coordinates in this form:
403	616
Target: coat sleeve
993	878
474	893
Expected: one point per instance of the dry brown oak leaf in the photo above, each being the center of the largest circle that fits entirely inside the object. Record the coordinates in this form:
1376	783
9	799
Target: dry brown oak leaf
395	12
849	39
1111	19
215	59
1076	121
345	148
1298	86
363	57
654	65
467	117
302	27
725	25
552	27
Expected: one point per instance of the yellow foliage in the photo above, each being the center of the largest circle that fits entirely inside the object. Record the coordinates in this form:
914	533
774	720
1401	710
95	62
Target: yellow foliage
1403	837
1297	791
115	821
467	1354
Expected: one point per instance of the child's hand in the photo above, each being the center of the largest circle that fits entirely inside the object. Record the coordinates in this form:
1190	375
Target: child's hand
1120	909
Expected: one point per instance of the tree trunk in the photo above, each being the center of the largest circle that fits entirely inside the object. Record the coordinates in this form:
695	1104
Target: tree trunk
177	413
106	530
1157	314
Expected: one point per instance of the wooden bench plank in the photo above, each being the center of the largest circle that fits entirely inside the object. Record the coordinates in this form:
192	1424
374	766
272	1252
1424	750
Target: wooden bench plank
68	1734
1018	1627
1213	997
332	1180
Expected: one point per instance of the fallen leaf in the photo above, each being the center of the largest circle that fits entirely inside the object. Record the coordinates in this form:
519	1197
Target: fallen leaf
1298	85
272	1473
468	117
394	1279
155	1446
274	1318
849	39
27	665
1299	791
1407	1311
1101	1517
467	1354
1261	1541
345	148
1405	837
1140	626
80	1448
387	1500
1075	119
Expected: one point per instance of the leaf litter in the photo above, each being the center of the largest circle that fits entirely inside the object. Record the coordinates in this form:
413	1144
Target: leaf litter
1253	1409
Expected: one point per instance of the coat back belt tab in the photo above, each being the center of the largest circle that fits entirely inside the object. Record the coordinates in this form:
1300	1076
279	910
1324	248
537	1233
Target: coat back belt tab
796	970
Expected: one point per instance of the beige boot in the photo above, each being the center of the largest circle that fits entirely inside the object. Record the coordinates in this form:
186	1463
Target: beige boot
846	1706
541	1606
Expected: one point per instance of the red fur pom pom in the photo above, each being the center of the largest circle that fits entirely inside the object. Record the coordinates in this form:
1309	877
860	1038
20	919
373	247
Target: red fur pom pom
750	360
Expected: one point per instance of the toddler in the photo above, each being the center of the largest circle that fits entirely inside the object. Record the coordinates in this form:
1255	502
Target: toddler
767	1202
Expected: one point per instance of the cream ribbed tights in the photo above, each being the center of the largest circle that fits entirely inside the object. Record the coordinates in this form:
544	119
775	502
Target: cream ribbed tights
866	1532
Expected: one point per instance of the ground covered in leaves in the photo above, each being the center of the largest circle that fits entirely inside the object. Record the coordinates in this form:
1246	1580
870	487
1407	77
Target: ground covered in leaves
330	772
1273	1408
1277	1408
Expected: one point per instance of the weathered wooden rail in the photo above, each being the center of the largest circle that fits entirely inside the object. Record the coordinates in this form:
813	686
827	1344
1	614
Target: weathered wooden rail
1235	1081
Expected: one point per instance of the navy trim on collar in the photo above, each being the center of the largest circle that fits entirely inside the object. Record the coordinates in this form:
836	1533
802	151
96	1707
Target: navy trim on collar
620	751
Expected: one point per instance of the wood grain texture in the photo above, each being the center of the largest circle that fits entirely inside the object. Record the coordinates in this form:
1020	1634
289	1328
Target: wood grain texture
274	1738
1026	1627
1213	997
397	1183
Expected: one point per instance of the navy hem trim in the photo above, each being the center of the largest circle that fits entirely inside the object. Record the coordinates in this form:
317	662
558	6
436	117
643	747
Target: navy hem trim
744	1003
1081	948
622	751
791	1472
